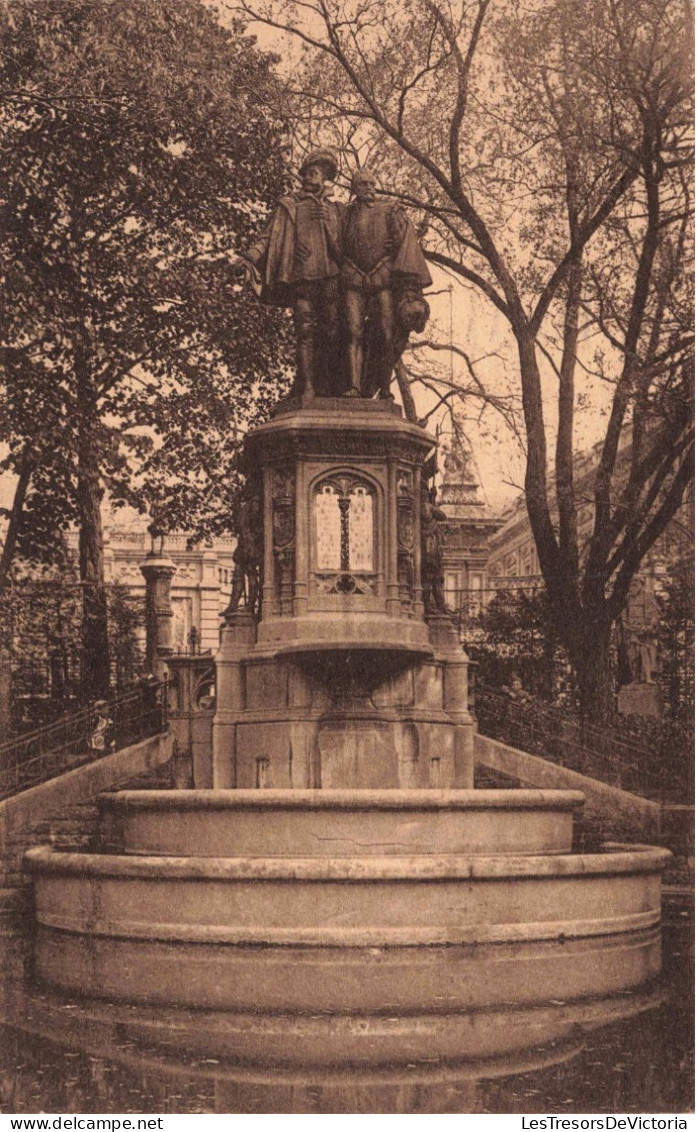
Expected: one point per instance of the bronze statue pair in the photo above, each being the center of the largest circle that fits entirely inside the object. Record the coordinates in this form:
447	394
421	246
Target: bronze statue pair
353	276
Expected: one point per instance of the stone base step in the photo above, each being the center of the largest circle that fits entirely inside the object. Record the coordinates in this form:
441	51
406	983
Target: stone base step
337	823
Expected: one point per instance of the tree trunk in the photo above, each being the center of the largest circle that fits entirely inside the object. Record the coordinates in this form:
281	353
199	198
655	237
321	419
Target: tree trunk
591	658
95	639
6	560
21	488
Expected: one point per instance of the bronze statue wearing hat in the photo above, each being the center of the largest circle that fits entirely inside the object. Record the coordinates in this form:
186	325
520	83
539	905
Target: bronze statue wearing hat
383	274
295	264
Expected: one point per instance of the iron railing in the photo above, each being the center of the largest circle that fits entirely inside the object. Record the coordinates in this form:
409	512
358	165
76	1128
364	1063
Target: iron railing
663	773
82	737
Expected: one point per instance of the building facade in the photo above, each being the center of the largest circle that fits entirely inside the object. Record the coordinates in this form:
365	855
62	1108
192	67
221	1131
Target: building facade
200	587
467	530
513	562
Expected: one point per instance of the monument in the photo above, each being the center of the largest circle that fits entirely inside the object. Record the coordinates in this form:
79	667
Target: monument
333	855
639	695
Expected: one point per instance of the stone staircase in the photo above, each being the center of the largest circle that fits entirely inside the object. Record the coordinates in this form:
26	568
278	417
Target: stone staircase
63	812
610	814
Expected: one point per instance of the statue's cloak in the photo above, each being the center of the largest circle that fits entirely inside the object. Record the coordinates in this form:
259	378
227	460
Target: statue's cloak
409	259
275	259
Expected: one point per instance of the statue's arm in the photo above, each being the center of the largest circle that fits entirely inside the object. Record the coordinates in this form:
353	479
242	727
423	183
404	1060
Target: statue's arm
398	225
256	253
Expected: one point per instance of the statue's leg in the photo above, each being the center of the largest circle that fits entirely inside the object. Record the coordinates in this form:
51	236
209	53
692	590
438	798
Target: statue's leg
237	588
305	319
385	359
354	303
330	362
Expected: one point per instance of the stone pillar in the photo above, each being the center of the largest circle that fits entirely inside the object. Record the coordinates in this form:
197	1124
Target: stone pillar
455	697
158	573
269	601
237	638
390	559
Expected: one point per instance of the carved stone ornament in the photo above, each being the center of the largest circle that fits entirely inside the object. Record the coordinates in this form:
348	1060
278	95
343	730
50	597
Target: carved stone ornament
329	444
345	584
283	527
405	486
283	483
283	499
405	525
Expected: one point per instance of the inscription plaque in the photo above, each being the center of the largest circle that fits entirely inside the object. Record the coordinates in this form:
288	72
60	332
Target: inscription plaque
344	526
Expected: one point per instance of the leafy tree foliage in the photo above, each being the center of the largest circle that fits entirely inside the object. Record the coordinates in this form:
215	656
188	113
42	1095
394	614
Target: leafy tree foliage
676	642
139	154
516	636
41	625
547	150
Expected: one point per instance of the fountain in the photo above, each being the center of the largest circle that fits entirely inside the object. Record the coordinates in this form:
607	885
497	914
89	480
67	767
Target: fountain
337	858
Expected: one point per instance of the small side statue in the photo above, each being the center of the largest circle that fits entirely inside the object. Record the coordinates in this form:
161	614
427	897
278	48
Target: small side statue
432	572
639	628
248	554
383	274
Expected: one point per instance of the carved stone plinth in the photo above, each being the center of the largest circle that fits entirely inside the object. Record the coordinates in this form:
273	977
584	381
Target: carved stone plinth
341	490
343	683
640	699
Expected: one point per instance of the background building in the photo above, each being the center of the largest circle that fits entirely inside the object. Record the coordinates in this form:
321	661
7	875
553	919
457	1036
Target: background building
513	561
468	529
200	587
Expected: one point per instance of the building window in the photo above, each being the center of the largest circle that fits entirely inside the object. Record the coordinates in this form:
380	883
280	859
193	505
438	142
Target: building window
476	588
452	588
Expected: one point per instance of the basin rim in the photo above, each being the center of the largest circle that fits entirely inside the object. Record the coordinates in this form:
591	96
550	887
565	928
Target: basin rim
619	860
407	801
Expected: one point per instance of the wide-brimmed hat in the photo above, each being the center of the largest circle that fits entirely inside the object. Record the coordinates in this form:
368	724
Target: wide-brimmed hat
326	158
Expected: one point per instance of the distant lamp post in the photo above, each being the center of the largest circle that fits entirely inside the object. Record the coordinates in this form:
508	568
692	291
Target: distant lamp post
158	571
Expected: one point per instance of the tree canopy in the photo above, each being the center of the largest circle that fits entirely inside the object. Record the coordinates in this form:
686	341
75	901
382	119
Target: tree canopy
140	152
547	150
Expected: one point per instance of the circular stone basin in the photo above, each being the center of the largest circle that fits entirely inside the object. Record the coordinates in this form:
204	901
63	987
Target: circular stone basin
347	933
337	823
327	1046
348	901
349	980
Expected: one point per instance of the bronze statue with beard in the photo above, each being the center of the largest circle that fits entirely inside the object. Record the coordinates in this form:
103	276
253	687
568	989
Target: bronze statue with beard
383	274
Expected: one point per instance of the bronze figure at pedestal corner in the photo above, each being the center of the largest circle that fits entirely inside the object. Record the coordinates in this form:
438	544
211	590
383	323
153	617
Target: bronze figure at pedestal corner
248	555
432	571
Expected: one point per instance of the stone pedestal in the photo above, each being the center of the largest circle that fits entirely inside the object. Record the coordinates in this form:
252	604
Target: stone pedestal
640	699
158	573
191	709
341	491
343	683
